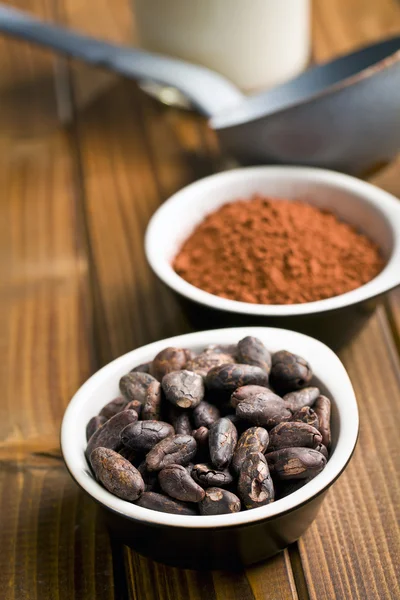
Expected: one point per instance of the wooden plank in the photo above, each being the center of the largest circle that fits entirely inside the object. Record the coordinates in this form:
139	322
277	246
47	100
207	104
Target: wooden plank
353	549
122	194
111	21
154	581
51	543
276	578
180	145
131	307
389	180
42	304
43	264
341	26
28	103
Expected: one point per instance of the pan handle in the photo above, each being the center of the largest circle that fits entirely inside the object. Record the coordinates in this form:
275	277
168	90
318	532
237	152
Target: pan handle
208	91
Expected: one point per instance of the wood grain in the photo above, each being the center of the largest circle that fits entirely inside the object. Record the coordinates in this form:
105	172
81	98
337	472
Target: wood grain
341	26
76	292
52	545
121	195
353	548
389	180
42	262
153	581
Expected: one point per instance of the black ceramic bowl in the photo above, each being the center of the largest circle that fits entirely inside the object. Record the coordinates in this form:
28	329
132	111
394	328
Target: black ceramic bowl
333	320
222	541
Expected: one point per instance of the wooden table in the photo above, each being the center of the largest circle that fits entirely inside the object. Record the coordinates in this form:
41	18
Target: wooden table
85	159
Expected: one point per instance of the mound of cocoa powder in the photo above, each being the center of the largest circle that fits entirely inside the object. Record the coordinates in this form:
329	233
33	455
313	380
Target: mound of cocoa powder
276	251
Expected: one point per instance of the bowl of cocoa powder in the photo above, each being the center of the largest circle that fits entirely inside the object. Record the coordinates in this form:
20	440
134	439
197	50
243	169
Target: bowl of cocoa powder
301	248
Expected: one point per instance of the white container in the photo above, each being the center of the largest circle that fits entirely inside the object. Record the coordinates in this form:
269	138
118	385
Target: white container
254	43
216	540
371	210
331	377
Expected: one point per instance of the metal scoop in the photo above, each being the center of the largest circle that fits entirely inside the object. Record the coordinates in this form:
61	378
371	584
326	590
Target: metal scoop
342	115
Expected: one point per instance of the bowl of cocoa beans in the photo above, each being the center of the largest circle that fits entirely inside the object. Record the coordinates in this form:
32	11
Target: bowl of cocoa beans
299	248
213	449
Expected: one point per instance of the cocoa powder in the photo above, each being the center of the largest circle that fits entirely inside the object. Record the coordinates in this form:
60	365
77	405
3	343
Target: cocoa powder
275	251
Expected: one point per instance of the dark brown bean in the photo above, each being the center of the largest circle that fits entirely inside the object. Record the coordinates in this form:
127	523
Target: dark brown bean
305	397
254	439
306	415
293	435
219	502
180	420
161	503
243	378
255	485
222	441
246	392
208	476
113	407
224	405
109	434
117	474
143	368
201	436
94	424
264	409
134	405
177	449
295	463
152	404
322	408
251	351
150	478
231	376
235	420
289	372
144	435
184	389
177	483
134	386
205	361
205	414
323	449
168	360
133	456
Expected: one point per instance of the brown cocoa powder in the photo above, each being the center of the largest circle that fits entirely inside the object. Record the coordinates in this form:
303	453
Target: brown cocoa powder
276	251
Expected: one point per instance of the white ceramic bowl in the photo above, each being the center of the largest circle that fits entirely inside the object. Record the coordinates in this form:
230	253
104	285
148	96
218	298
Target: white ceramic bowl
371	210
271	527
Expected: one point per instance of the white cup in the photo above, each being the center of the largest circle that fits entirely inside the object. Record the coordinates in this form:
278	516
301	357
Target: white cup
254	43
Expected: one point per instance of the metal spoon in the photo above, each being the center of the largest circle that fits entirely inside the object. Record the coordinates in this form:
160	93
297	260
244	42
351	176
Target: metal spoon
342	115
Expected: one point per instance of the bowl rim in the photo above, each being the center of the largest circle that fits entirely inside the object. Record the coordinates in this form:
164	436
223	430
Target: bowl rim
383	202
335	378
